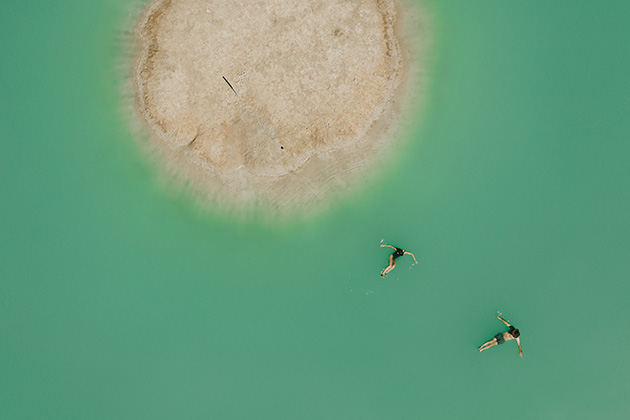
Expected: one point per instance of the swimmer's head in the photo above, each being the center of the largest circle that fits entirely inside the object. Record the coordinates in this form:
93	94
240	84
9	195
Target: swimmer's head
515	332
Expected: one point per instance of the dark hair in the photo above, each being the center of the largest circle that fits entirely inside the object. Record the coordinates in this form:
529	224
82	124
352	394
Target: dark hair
515	332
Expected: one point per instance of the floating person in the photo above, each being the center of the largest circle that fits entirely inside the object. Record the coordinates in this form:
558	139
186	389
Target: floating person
392	258
511	334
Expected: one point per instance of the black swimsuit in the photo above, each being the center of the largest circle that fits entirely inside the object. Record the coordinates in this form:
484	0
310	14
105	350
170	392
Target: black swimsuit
398	253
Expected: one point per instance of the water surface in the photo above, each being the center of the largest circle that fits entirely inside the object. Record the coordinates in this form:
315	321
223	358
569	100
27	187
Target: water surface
119	299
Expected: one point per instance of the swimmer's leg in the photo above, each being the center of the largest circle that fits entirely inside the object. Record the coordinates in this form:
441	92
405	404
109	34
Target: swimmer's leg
488	344
392	263
390	267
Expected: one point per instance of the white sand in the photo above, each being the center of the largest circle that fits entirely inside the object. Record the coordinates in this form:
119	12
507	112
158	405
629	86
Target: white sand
318	84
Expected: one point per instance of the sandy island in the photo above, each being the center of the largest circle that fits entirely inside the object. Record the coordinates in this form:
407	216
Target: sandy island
269	101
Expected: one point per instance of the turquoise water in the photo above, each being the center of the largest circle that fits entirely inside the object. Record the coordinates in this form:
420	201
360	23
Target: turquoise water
119	300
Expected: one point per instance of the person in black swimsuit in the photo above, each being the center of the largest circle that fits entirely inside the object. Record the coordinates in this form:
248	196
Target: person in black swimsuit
392	258
511	334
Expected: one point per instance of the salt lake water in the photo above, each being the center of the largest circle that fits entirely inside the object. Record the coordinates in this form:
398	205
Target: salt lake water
119	299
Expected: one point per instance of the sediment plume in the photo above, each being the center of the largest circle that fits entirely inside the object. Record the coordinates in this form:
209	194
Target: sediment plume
270	103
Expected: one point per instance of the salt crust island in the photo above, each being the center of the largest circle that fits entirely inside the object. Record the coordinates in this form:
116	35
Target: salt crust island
270	102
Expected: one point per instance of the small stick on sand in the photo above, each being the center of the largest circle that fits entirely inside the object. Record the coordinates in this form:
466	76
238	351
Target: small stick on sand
226	81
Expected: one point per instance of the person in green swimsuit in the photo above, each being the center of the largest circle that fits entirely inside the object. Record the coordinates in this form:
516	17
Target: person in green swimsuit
392	258
511	334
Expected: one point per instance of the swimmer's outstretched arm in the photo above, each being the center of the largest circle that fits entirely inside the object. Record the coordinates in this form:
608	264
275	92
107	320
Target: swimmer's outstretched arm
504	321
412	256
383	245
520	350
